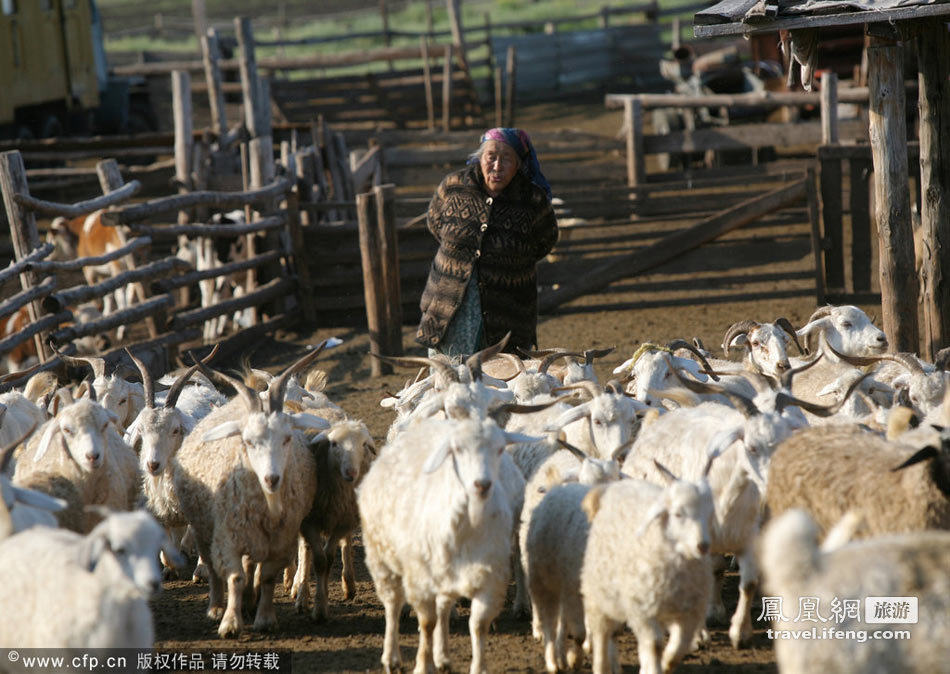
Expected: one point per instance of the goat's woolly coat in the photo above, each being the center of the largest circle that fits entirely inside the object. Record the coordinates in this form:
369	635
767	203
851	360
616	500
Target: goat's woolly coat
897	565
114	484
221	498
833	469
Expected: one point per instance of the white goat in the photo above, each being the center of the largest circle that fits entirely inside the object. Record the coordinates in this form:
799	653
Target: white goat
63	590
683	439
245	479
436	527
647	565
901	565
81	447
26	507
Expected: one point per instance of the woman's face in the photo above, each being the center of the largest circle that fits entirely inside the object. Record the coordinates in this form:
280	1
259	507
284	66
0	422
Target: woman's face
499	164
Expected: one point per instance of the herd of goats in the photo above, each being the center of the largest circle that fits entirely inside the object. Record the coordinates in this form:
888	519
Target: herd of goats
611	504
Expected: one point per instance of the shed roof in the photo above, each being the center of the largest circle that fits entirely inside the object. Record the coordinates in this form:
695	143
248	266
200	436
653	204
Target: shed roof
736	17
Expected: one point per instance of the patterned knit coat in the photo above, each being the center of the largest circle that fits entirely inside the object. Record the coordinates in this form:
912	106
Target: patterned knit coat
504	237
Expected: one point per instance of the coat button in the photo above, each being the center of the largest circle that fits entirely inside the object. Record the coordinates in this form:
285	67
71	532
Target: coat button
484	226
478	253
489	201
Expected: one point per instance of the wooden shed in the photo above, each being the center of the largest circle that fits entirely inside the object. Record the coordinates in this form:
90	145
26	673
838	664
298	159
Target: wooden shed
888	24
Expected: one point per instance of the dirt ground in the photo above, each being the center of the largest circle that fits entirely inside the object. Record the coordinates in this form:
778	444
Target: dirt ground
762	276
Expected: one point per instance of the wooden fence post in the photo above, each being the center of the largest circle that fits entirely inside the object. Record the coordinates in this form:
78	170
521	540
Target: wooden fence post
250	83
447	90
829	108
511	73
499	107
200	16
605	17
892	193
814	220
23	232
860	200
110	179
181	110
833	239
933	51
389	254
676	41
211	54
427	80
373	293
633	123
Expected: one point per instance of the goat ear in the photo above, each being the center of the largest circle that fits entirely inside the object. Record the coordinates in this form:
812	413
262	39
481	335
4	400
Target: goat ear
221	431
430	407
665	472
437	457
723	439
309	422
570	416
918	456
318	438
656	511
591	503
51	428
92	548
512	438
371	447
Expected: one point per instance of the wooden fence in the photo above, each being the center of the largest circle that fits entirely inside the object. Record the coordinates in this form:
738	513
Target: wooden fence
846	189
168	324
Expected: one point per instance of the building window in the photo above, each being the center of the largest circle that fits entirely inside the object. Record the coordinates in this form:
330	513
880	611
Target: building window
46	5
9	7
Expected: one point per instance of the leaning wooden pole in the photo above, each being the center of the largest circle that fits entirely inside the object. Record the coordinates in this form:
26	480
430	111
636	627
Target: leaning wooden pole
675	244
933	63
892	194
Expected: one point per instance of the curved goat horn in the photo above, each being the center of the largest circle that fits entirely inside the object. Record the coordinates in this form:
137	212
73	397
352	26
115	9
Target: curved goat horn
549	359
788	376
591	354
279	387
584	385
579	453
743	404
677	344
787	327
903	358
6	453
736	329
172	398
250	398
147	383
412	361
783	400
517	362
98	365
474	362
820	312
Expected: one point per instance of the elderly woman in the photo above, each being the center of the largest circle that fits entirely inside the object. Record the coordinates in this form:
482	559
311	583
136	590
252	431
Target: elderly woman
493	221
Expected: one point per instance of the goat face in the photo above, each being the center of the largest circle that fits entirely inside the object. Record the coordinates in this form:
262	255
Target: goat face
83	427
848	330
689	513
133	540
156	435
268	441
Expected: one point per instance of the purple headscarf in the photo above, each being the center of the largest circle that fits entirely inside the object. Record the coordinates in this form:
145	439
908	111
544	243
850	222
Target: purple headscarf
519	140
